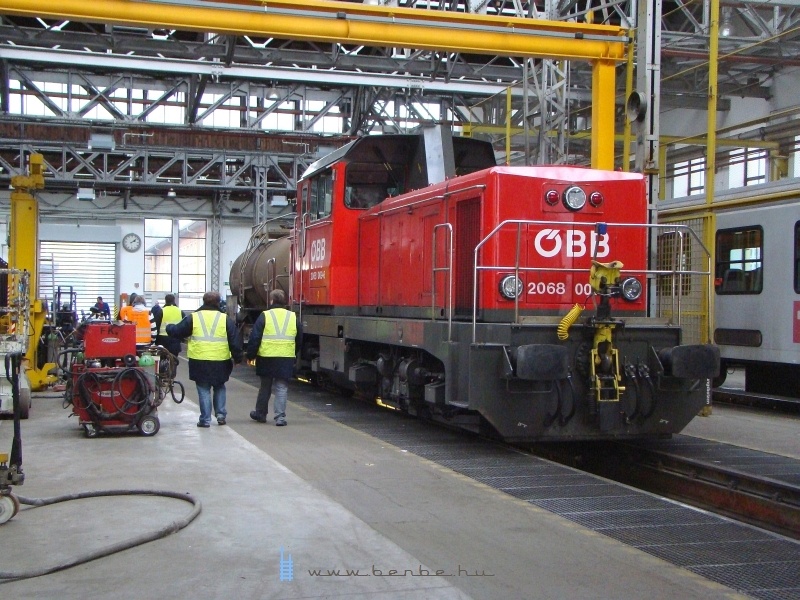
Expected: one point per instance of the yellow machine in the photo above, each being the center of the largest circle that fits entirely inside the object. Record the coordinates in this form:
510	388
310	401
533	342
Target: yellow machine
23	255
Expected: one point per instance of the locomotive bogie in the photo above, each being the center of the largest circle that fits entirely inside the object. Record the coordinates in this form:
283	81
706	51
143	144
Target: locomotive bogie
517	382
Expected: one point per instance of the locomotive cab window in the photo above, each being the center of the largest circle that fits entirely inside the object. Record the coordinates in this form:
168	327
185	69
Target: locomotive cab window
321	196
368	184
739	261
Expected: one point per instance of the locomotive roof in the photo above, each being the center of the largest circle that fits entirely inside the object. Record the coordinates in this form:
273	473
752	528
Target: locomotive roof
469	154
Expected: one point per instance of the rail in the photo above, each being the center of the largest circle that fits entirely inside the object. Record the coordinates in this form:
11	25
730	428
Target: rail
677	270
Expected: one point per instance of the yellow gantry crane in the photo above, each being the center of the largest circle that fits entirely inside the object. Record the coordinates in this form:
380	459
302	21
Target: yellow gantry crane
23	255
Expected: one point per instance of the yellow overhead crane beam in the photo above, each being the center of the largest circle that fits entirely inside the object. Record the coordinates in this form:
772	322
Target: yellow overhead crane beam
349	23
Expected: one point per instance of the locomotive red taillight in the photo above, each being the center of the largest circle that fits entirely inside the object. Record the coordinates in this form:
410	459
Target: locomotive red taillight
596	199
551	197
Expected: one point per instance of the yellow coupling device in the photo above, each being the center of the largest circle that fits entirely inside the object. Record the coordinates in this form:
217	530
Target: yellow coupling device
568	320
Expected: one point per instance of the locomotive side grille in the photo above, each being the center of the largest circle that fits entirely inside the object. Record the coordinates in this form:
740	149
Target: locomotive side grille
467	236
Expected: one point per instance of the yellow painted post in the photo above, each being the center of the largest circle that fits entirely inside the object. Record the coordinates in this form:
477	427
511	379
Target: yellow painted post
603	115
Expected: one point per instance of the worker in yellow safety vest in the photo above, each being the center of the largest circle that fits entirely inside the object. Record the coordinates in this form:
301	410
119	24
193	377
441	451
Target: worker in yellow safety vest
276	336
169	314
213	341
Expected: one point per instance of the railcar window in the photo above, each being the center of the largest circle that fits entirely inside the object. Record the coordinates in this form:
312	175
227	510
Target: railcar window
739	261
674	254
797	258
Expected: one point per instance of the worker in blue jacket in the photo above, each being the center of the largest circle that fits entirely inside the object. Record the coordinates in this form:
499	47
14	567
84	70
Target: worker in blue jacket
276	337
213	347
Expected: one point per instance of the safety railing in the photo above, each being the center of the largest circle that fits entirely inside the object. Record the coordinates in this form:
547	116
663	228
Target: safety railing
676	272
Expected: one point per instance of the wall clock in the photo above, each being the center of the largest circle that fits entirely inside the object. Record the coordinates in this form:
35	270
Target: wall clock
131	242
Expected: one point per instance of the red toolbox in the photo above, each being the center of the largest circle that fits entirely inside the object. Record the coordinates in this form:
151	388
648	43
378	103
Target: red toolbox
109	340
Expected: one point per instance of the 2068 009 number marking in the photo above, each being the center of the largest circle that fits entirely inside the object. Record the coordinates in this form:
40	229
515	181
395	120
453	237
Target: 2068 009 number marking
556	288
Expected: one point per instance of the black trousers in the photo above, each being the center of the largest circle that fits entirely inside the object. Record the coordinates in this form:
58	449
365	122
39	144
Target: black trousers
264	392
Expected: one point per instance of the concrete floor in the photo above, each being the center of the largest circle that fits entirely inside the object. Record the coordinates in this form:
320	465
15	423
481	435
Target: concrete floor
331	497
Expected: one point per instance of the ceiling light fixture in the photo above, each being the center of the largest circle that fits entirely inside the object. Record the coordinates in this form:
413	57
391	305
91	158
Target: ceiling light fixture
726	28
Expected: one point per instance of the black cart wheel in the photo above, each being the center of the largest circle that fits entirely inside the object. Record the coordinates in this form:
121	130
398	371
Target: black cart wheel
8	508
149	425
181	392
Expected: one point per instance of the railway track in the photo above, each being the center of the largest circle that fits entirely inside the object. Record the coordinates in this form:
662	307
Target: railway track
765	501
743	398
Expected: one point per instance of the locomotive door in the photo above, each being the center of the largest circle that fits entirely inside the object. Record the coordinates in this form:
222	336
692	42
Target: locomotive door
467	237
315	239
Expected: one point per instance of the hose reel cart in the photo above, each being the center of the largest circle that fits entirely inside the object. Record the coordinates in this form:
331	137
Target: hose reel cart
111	389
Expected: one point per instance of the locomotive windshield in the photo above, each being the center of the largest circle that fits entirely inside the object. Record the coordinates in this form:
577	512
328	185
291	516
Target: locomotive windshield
367	184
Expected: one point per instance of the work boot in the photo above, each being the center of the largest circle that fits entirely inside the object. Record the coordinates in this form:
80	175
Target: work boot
257	417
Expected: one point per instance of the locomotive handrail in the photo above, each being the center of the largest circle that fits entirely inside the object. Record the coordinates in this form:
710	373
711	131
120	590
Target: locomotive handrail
679	272
449	270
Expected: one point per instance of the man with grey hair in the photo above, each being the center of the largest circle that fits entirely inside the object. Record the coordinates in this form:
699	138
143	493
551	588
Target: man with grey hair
275	339
213	341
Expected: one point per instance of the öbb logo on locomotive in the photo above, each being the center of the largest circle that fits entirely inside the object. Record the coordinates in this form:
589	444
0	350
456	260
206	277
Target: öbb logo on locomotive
575	243
515	302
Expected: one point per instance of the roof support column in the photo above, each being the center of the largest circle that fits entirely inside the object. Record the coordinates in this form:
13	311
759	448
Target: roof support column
603	82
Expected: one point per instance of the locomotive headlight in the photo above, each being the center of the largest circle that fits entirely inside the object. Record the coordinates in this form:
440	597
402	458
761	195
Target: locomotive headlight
551	197
510	287
574	198
631	289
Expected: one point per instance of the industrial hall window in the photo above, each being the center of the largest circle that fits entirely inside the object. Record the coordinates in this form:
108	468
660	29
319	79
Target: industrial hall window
739	266
747	166
689	177
182	273
191	263
157	257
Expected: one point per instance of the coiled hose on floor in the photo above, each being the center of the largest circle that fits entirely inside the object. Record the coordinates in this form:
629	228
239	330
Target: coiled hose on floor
172	527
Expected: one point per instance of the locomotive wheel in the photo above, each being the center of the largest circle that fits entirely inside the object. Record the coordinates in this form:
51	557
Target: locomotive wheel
8	508
149	425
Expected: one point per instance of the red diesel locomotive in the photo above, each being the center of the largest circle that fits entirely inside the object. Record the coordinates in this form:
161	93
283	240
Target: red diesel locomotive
511	301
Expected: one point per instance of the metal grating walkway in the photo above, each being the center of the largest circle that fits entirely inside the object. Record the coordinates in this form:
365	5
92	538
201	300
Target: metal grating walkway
741	459
755	562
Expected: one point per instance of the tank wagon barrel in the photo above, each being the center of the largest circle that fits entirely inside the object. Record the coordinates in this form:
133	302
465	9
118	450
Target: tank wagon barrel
264	266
